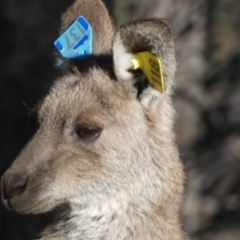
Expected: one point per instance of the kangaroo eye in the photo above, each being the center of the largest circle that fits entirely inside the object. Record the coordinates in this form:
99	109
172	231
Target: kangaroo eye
88	131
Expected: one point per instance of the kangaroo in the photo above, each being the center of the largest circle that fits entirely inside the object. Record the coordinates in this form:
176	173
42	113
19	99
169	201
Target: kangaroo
105	153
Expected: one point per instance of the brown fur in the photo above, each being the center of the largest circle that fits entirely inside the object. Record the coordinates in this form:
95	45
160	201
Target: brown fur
96	14
126	182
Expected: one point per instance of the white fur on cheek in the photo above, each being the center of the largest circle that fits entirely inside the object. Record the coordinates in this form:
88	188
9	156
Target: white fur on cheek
122	60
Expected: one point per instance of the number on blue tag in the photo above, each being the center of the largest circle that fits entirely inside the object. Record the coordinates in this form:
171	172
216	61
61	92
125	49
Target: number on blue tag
76	41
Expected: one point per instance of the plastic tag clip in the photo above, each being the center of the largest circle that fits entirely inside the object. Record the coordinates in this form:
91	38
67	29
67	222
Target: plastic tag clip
151	67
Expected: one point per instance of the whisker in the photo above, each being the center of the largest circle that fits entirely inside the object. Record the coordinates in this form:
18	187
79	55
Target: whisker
12	108
2	142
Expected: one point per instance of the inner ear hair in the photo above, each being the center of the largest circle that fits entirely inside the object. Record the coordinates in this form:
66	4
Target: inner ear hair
150	35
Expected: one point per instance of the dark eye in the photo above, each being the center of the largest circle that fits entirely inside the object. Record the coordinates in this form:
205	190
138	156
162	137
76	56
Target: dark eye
87	131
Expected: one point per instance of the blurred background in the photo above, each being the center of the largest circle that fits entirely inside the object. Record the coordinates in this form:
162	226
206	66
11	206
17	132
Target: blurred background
207	100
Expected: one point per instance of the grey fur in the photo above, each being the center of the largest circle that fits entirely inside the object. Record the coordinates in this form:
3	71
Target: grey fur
128	182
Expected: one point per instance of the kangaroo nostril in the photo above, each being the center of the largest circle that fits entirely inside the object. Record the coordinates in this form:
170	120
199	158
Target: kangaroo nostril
16	186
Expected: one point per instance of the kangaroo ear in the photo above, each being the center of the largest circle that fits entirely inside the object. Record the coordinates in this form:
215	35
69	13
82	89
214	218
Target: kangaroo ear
150	35
97	15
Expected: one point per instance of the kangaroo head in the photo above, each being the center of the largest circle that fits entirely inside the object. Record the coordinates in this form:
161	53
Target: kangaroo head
104	129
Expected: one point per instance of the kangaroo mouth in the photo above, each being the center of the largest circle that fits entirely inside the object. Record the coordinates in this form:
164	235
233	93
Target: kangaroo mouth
7	204
13	204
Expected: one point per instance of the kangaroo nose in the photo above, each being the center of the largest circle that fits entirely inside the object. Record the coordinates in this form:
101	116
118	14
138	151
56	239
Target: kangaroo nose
15	185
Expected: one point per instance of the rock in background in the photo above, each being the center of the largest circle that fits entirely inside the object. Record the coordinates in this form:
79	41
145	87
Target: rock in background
207	100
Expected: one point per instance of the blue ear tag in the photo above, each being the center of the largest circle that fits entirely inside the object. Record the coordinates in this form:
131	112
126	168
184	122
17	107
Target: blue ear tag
76	41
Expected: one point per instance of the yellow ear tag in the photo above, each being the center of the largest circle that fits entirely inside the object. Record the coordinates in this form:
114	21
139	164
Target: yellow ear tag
151	67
